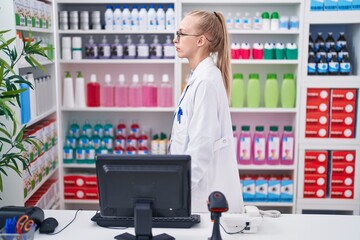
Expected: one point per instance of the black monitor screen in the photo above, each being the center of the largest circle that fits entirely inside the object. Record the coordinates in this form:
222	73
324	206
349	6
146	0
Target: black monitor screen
161	180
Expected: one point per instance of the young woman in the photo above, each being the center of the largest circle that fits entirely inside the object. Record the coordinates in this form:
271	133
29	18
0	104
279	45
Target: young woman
202	125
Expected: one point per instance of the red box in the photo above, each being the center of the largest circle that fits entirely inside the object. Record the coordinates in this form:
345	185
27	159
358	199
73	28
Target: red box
343	119
343	107
74	193
314	192
343	156
320	157
316	131
91	181
74	180
348	95
315	168
317	119
91	193
342	181
318	93
315	105
317	180
342	132
342	192
343	169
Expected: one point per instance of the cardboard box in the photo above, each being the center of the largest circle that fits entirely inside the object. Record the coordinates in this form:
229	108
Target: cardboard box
318	180
317	5
343	107
356	4
344	5
314	105
91	181
74	193
320	157
317	119
248	189
346	95
343	119
322	94
274	189
342	131
342	192
343	169
74	180
331	5
315	168
342	181
314	192
316	131
343	156
287	190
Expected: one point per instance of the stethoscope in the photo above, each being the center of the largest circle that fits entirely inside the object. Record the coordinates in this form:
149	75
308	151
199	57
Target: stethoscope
179	111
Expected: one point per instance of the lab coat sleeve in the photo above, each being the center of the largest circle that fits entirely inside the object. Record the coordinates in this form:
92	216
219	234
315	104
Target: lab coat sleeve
203	128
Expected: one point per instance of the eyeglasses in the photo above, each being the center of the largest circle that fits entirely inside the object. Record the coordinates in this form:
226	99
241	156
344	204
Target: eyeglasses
180	34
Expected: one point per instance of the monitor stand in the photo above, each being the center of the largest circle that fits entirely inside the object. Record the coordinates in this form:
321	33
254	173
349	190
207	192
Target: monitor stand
143	225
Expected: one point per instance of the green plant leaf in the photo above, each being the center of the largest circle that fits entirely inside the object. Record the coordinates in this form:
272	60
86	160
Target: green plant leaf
7	43
4	31
14	128
28	59
7	134
20	135
7	66
41	67
5	140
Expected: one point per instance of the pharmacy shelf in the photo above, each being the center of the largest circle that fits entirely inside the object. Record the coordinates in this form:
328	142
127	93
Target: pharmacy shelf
268	32
333	17
325	203
37	187
254	2
270	204
77	165
42	62
258	62
41	117
102	32
116	109
111	1
337	81
329	143
266	167
119	61
263	110
81	201
33	30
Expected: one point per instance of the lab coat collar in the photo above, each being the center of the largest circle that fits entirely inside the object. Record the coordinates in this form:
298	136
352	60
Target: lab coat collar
200	67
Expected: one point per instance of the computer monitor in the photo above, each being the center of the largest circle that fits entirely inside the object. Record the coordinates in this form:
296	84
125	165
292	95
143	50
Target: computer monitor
144	186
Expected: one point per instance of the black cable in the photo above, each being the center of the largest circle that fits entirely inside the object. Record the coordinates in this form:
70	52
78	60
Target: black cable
68	223
230	233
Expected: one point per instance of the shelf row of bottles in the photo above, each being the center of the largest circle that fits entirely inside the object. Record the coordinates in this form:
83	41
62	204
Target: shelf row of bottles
250	95
118	20
149	93
329	174
266	188
72	48
334	5
331	113
269	51
33	13
259	147
264	21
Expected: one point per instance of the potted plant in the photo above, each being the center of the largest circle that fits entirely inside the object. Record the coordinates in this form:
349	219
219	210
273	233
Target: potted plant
13	155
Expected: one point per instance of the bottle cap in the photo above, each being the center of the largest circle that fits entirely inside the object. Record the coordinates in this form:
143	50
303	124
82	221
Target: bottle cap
121	78
67	75
274	128
165	78
107	78
145	78
116	41
288	128
234	128
259	128
151	78
142	39
272	76
104	40
245	128
135	78
79	75
275	15
93	78
288	76
253	76
238	76
265	15
156	40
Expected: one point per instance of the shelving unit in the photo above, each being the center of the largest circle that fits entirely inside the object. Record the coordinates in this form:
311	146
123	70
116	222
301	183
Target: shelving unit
334	21
259	116
13	184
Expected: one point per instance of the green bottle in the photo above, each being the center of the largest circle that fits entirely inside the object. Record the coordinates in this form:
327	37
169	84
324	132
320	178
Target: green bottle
68	154
108	129
75	129
271	95
253	91
288	91
87	129
238	91
99	129
90	154
96	141
80	154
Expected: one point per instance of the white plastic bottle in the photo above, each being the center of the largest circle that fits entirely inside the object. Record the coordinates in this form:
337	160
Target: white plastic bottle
151	18
229	21
247	22
257	23
117	18
142	48
156	49
237	21
169	50
68	93
143	18
160	18
126	18
80	91
129	48
170	18
134	18
109	18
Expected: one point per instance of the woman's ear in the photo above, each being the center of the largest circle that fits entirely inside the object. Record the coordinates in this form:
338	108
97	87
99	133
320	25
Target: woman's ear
201	41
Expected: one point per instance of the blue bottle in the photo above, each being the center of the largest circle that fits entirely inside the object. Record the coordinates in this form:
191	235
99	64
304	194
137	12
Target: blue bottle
25	103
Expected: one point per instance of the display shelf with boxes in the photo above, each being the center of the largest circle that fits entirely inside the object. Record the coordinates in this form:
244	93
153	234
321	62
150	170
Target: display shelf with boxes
260	51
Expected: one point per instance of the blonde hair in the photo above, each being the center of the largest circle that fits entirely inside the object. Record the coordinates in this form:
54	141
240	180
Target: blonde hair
213	26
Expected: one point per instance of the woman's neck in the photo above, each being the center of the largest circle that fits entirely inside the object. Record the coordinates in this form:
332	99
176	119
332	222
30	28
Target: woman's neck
194	62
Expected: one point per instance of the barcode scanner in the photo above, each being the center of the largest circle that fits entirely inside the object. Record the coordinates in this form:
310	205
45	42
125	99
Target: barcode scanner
217	204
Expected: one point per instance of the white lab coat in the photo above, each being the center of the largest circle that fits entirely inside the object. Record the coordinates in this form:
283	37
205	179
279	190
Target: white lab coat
202	128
